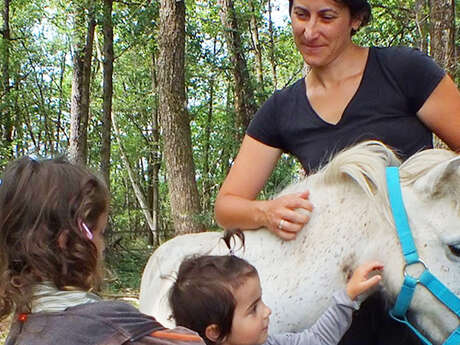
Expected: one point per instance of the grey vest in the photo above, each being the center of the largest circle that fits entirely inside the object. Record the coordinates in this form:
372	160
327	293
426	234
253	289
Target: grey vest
100	323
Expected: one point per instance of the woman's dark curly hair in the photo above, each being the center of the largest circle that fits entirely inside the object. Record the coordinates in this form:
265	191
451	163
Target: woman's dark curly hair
358	9
42	203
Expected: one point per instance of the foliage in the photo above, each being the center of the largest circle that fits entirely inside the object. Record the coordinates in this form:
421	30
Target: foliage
126	262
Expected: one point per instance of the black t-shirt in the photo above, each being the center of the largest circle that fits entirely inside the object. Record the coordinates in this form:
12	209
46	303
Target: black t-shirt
395	84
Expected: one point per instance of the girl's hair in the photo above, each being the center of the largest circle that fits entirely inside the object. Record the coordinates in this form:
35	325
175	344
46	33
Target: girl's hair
202	294
358	9
42	206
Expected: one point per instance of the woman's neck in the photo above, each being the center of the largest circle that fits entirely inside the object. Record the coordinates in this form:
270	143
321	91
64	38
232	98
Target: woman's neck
349	64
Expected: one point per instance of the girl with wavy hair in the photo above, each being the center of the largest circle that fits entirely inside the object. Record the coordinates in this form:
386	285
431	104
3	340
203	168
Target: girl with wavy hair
52	220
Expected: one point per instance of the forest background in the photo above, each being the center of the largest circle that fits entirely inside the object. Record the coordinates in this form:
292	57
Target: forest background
155	97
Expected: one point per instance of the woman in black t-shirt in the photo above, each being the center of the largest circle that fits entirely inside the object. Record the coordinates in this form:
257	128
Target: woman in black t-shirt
351	93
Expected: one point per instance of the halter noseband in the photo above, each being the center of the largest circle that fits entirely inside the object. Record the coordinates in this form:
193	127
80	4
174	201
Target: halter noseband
426	278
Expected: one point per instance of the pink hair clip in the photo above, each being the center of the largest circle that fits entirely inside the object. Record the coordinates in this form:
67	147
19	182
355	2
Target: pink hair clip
88	232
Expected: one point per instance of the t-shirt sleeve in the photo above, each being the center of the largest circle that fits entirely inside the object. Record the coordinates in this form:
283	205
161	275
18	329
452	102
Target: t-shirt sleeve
327	330
416	73
264	126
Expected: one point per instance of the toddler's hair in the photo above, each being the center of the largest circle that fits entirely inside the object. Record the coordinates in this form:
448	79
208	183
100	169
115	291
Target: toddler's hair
202	294
42	203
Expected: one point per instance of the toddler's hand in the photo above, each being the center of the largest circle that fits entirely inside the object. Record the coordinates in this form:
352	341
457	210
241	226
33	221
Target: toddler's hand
359	281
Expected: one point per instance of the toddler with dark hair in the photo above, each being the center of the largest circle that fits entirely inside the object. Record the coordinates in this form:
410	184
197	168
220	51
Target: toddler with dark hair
220	297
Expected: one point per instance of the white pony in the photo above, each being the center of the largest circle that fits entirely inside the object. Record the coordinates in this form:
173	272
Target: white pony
351	224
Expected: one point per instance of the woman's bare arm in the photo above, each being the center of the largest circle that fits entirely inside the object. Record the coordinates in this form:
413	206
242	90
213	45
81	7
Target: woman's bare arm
441	113
236	205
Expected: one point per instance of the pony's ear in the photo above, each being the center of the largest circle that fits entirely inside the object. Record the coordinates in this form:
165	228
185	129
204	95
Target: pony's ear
212	332
436	181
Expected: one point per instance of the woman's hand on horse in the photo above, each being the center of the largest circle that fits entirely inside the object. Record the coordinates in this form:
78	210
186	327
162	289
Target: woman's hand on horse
286	215
360	282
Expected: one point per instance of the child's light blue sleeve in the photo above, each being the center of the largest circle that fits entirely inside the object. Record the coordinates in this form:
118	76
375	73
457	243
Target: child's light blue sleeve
327	330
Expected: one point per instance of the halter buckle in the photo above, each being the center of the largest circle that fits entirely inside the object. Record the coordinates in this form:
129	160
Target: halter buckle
418	262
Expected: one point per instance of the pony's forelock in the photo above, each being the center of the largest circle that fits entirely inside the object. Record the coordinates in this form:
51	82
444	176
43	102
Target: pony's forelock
364	164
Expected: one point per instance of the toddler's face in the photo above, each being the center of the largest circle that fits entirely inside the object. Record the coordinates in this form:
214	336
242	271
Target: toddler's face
251	317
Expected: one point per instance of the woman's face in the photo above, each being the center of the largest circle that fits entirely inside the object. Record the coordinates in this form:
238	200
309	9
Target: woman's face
322	30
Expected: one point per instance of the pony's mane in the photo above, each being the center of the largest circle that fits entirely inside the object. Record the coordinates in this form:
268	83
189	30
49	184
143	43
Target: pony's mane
363	164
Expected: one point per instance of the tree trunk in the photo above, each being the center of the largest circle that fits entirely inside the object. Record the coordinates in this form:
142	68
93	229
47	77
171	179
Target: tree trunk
107	91
61	99
272	46
442	43
257	47
206	194
421	16
153	196
245	106
134	181
18	124
174	119
7	128
82	55
442	15
228	151
155	161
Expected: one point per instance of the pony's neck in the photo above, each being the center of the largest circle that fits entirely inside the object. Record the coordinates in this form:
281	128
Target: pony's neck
354	220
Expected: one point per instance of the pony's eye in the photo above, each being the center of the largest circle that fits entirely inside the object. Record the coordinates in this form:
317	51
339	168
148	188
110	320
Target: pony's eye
455	250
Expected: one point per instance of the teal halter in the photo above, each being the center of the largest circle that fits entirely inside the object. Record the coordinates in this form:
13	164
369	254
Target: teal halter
427	279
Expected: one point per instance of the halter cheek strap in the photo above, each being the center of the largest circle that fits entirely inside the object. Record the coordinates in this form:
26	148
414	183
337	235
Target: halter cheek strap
427	279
